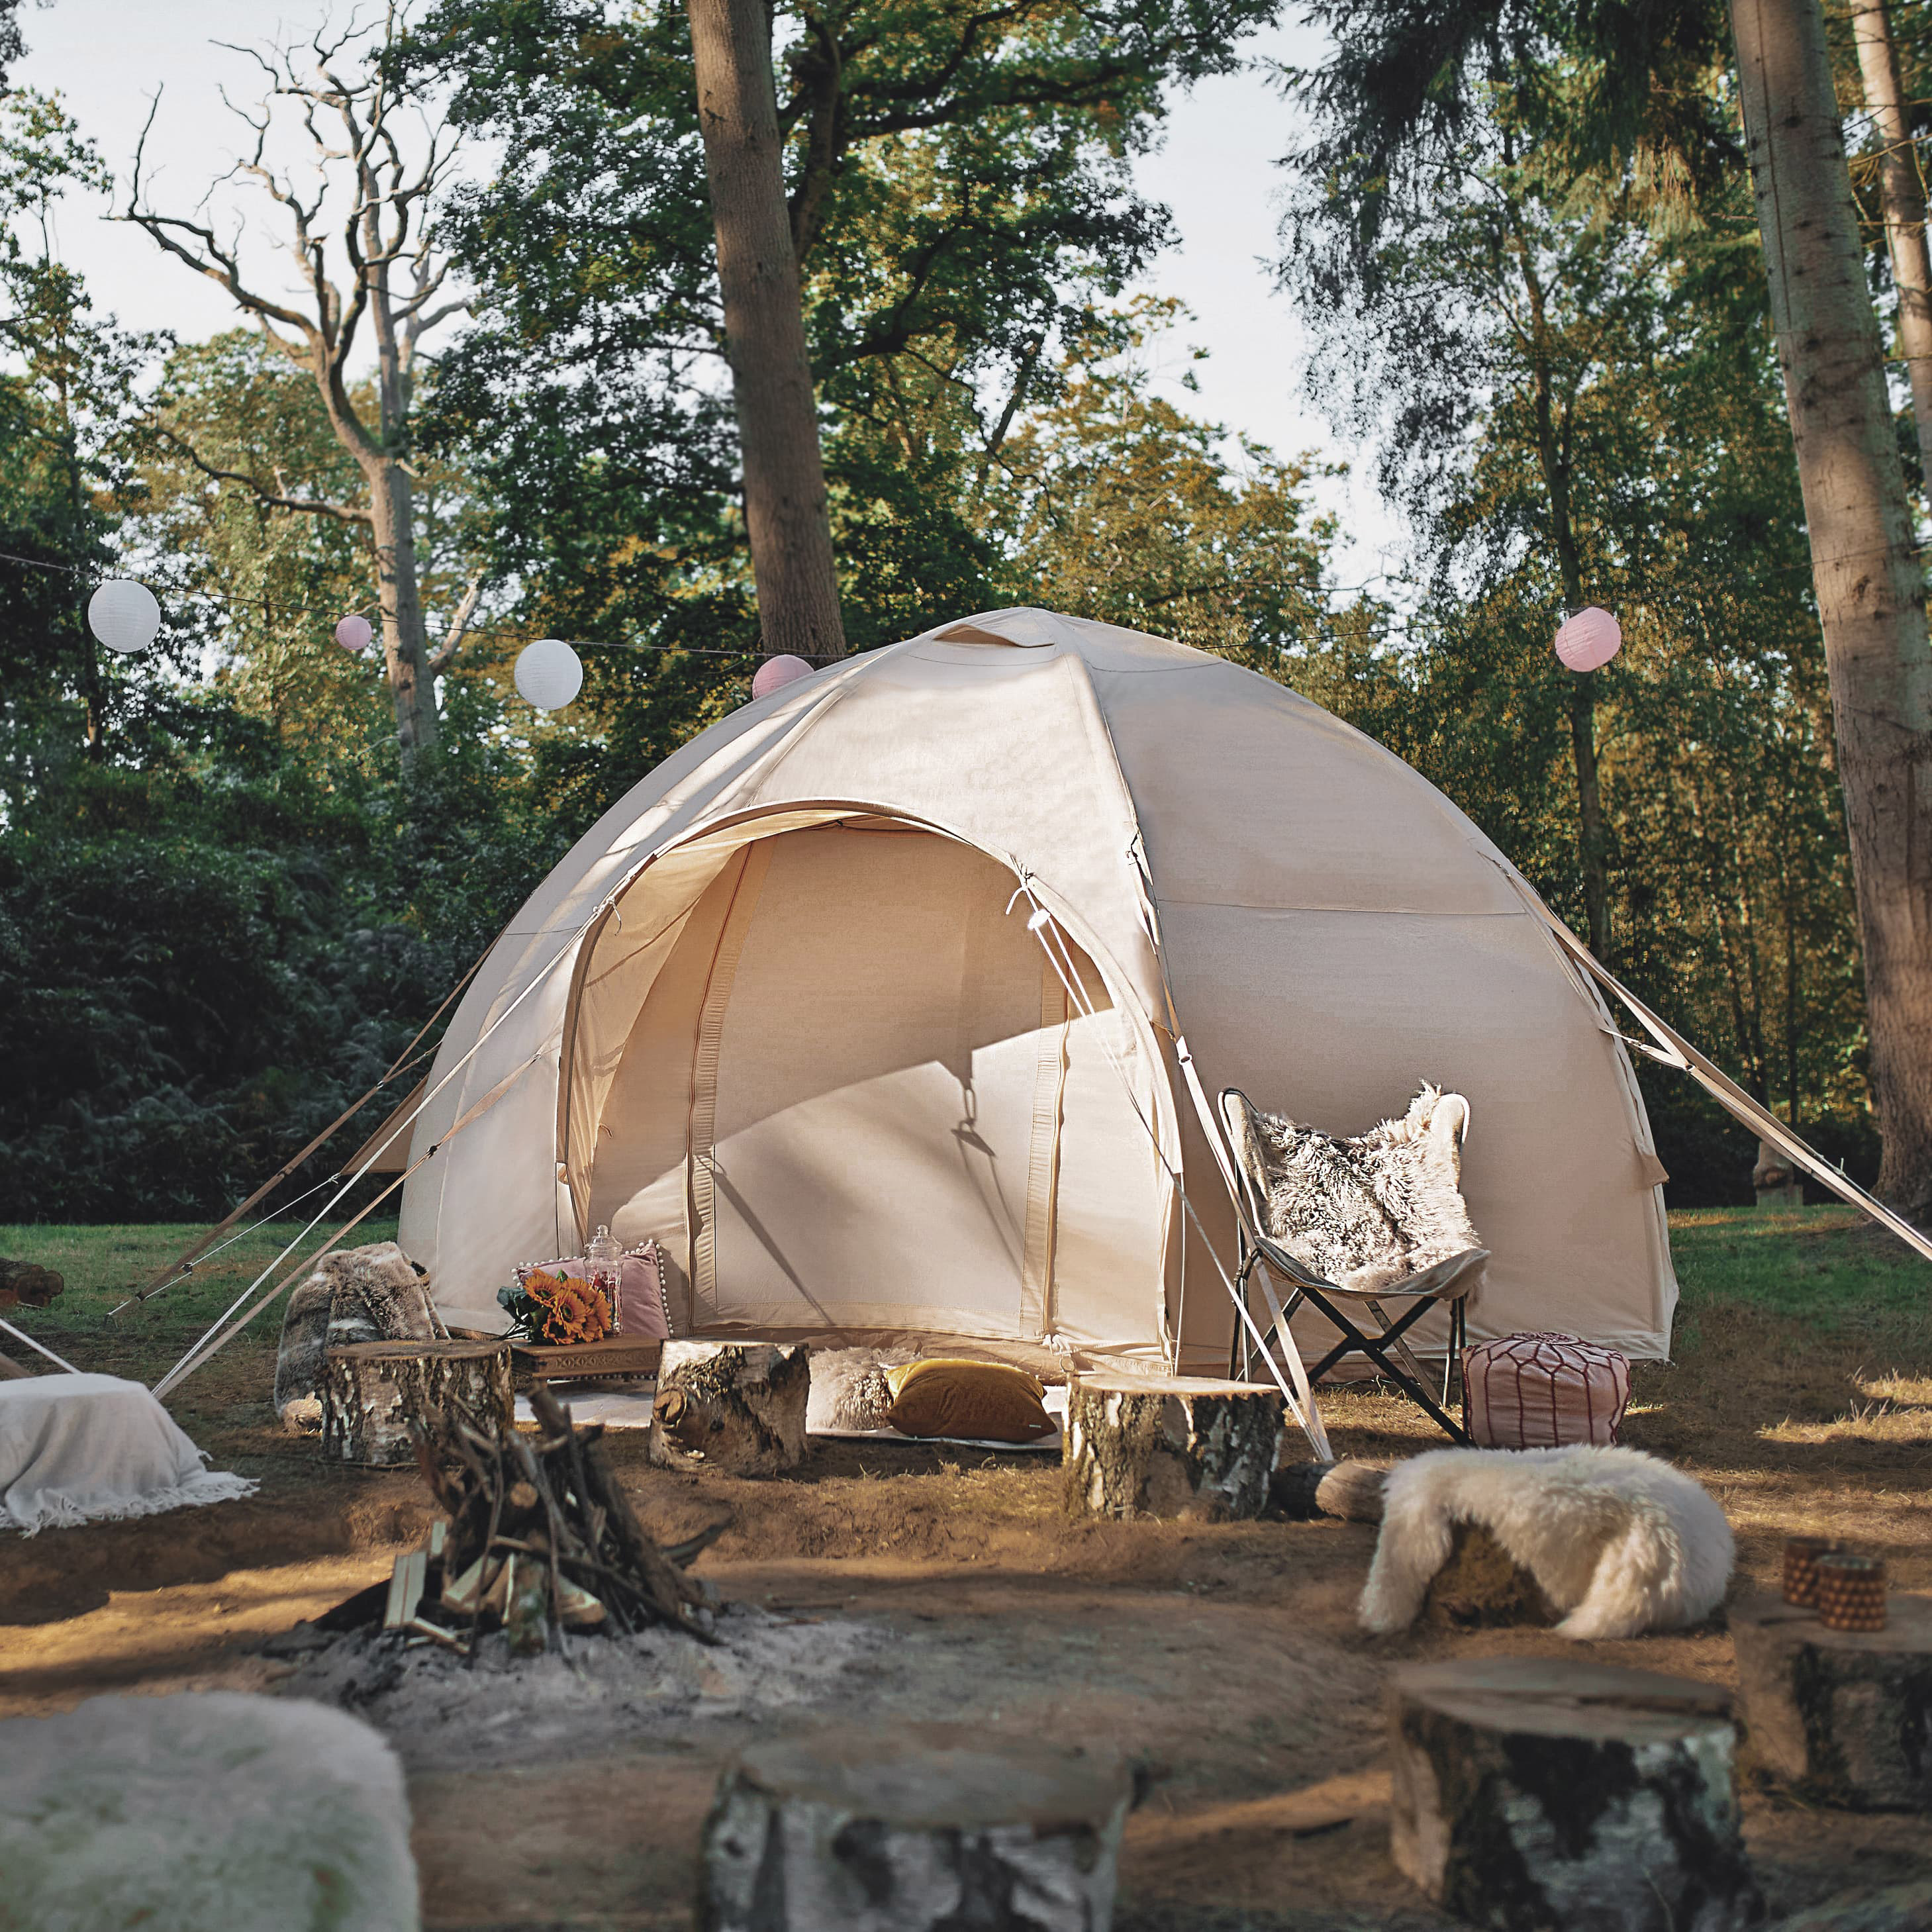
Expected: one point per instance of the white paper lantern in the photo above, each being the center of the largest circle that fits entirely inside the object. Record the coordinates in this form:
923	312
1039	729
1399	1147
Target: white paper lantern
1589	640
775	673
124	616
354	632
549	673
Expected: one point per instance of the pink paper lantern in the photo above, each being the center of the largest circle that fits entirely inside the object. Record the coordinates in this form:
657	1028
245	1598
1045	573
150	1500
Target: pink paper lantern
775	673
353	633
1591	638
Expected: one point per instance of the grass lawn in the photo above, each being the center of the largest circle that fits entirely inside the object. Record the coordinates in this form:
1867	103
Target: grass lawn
1803	1345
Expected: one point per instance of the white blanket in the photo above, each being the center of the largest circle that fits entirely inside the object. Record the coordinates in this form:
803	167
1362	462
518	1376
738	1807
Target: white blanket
75	1447
1620	1541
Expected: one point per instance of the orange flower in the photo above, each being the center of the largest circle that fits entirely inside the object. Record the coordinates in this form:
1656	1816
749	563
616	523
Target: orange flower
577	1313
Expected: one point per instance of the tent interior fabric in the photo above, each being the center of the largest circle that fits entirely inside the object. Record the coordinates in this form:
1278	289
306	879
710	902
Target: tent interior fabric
868	1004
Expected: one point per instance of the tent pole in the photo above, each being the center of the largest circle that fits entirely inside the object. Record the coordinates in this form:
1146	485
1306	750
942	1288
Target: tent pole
1673	1049
402	1063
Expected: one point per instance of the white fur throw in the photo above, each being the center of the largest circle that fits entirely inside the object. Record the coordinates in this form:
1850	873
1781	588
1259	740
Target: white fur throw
849	1394
1621	1542
192	1813
1364	1213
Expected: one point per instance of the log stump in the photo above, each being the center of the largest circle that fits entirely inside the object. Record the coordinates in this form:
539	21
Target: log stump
371	1391
1482	1587
1177	1446
736	1406
1533	1793
1892	1908
1352	1491
1844	1716
935	1826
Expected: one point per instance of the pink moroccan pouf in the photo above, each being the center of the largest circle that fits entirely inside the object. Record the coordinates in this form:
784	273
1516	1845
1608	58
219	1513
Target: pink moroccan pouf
1543	1391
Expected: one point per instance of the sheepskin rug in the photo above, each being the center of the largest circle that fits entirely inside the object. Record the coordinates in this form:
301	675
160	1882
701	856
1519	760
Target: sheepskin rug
194	1813
1621	1542
375	1293
850	1393
1365	1212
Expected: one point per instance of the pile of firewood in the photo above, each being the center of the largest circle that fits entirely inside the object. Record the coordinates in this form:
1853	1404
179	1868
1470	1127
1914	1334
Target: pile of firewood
541	1540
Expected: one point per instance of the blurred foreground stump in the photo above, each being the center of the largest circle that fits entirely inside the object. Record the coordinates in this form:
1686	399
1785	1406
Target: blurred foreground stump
372	1391
1172	1446
1532	1792
735	1406
1844	1716
933	1828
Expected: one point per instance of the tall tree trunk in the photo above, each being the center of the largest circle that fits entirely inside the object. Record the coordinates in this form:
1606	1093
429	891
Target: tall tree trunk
405	641
785	507
1592	836
1904	200
1871	592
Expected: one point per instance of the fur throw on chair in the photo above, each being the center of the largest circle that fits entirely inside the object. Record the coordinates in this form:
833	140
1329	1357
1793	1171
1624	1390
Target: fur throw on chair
375	1293
1367	1212
1621	1542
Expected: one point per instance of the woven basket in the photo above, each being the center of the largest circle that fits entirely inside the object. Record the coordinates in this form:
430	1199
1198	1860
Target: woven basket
1543	1391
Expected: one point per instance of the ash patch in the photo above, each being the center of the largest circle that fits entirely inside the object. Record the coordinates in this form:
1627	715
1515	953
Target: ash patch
495	1708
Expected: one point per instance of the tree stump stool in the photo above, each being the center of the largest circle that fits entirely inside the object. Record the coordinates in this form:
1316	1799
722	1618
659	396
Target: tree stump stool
1483	1587
910	1831
1845	1716
1172	1447
736	1406
1533	1793
1352	1491
370	1391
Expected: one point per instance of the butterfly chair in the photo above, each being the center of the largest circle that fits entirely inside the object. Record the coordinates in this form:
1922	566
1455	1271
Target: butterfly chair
1448	1283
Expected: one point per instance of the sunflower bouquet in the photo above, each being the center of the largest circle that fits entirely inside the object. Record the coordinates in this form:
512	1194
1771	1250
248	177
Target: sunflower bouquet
544	1306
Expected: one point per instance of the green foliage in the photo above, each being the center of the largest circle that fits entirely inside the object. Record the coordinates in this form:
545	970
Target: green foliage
1569	389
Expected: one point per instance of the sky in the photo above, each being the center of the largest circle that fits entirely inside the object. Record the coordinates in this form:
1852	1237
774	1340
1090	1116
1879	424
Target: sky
1215	171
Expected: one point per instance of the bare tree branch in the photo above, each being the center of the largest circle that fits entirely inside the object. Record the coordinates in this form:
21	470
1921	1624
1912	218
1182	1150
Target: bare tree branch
277	498
453	639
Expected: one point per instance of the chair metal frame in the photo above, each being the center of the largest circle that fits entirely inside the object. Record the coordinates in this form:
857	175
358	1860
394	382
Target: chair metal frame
1450	1282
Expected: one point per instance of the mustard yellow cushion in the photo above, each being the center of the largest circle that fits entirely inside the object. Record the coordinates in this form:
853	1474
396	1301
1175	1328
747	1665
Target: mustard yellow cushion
977	1401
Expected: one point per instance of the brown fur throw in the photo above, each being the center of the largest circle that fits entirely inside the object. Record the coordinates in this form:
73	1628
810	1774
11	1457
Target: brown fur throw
375	1293
1367	1212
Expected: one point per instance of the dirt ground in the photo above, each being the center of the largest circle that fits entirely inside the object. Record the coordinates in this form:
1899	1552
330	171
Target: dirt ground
1226	1656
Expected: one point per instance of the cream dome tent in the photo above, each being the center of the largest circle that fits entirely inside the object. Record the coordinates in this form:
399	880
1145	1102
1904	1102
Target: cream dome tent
866	1004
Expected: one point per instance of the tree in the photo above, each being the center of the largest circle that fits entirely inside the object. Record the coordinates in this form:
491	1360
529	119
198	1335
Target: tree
1870	588
394	280
1902	200
68	407
786	518
1630	91
958	194
1114	503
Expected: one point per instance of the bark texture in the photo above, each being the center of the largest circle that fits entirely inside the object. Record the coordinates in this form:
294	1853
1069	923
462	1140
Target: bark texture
737	1406
1894	1908
935	1828
786	515
1177	1446
1844	1716
1870	589
371	1391
1904	200
1531	1793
